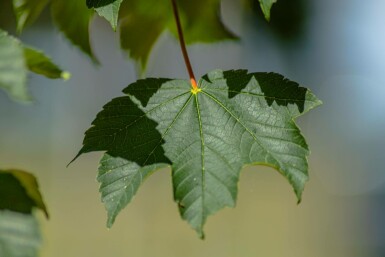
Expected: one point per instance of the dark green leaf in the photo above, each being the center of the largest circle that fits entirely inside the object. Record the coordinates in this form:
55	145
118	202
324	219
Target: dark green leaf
19	235
266	7
27	11
72	18
99	3
207	136
19	192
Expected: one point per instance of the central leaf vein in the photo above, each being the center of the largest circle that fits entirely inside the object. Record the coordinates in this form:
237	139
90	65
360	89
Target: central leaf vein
202	156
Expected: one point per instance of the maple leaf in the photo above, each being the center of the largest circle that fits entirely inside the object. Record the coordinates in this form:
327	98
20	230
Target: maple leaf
206	135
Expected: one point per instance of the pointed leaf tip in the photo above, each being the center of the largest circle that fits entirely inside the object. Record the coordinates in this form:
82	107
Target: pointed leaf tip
266	7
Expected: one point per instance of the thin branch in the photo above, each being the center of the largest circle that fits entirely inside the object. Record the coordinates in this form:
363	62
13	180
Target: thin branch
183	45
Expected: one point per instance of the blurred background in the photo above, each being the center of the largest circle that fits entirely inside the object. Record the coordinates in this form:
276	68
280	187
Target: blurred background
336	48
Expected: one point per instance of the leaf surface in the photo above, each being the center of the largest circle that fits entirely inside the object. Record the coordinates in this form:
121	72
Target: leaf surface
119	181
19	192
19	235
236	119
266	7
109	9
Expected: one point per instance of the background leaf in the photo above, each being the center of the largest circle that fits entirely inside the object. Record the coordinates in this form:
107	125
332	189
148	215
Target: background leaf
19	235
19	192
13	72
27	11
142	22
235	119
39	63
72	18
15	61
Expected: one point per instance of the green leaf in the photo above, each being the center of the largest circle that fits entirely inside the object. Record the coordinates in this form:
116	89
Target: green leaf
109	9
119	181
266	7
19	230
15	61
19	192
19	235
13	72
39	63
207	135
27	11
72	18
142	22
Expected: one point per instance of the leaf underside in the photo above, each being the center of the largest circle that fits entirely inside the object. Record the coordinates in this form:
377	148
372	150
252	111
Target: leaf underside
237	119
108	9
266	7
19	235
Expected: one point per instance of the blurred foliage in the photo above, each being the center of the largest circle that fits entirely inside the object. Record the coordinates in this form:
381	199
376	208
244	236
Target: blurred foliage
7	16
19	235
19	229
16	60
142	22
19	191
288	18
